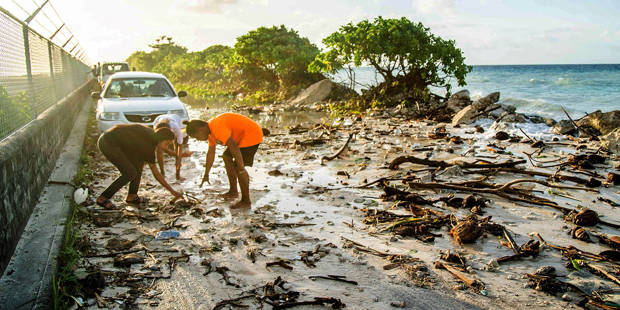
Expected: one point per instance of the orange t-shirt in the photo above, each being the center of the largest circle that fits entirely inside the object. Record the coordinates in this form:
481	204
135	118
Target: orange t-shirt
244	131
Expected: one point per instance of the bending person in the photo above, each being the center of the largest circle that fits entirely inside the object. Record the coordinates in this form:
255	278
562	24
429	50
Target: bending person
128	147
172	122
242	136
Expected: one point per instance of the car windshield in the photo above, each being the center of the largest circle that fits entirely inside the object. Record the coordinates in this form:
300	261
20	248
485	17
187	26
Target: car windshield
138	87
111	68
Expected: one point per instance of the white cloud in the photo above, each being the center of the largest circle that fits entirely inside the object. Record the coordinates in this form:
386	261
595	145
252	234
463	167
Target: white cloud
439	7
207	6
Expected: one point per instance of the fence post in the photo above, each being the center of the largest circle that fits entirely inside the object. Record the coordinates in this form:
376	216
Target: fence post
52	77
33	113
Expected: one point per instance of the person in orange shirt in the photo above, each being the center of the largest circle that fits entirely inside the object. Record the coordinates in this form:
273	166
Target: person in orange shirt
242	136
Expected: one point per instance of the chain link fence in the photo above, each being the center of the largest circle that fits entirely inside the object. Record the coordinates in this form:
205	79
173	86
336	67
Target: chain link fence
35	73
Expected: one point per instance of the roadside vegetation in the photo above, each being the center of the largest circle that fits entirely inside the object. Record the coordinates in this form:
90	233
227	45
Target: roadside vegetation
66	285
273	64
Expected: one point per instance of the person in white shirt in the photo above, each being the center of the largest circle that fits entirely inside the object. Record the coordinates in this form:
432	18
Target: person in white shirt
173	122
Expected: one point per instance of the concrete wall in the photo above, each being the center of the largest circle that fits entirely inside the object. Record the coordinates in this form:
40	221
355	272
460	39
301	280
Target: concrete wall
27	159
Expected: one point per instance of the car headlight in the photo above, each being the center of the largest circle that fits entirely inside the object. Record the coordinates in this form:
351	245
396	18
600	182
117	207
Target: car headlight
180	113
109	116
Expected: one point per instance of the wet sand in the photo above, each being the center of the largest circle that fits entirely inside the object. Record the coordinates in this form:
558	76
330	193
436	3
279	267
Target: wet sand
290	186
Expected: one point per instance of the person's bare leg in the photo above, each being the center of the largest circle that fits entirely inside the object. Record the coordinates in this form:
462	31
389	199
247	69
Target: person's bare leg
244	184
232	177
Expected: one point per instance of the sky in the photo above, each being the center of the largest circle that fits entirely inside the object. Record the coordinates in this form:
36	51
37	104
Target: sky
488	32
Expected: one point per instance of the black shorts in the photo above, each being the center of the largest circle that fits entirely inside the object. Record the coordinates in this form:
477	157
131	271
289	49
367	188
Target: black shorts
246	152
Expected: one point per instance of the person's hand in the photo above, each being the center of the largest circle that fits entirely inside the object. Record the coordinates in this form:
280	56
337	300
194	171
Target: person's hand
177	196
205	178
187	153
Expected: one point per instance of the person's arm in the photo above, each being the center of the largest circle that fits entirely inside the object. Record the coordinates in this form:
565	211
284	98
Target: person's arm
160	160
162	181
167	150
208	164
236	153
179	149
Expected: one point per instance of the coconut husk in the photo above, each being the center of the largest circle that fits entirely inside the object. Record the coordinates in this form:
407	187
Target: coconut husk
466	231
580	233
585	217
612	241
613	178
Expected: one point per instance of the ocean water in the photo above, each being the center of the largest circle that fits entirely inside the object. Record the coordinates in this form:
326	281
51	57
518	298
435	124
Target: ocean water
536	89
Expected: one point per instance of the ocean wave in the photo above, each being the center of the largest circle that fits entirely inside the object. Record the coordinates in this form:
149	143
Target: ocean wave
539	107
562	81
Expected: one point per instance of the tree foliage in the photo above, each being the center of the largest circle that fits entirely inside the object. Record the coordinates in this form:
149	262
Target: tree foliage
277	53
406	54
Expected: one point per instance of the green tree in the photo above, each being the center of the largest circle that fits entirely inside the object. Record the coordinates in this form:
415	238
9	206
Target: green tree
406	54
275	54
160	58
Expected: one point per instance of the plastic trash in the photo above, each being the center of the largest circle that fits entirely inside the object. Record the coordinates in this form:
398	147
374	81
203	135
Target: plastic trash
167	234
80	195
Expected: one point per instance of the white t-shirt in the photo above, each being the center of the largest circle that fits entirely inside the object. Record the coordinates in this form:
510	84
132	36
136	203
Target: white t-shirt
175	125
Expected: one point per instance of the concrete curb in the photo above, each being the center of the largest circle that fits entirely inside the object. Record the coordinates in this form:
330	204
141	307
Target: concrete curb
27	280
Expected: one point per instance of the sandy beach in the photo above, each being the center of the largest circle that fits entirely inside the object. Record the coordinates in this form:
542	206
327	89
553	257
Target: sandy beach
309	220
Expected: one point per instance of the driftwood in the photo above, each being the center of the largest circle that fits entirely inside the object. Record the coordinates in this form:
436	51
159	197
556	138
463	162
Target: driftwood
536	173
599	270
318	301
333	278
573	250
503	191
344	147
473	283
437	163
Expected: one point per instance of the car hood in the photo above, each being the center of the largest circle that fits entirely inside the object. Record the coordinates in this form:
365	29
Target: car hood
141	104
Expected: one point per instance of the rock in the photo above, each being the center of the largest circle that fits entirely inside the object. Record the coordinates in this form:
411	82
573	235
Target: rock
316	92
536	119
545	271
458	101
502	135
611	141
513	118
550	122
603	122
464	116
483	103
566	297
500	109
564	127
461	95
492	265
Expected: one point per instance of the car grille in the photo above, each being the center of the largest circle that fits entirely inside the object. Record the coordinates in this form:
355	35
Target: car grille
142	117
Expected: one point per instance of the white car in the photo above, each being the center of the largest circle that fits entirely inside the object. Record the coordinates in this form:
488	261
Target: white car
137	97
109	68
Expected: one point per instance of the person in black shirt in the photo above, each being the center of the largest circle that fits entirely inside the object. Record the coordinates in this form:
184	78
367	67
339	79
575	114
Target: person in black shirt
128	147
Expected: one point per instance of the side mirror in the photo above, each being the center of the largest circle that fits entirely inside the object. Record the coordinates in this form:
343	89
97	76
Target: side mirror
95	95
182	94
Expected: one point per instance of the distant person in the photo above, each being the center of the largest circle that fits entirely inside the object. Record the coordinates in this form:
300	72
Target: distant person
128	147
242	136
174	123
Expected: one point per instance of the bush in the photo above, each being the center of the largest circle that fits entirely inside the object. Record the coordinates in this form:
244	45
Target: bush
404	53
275	59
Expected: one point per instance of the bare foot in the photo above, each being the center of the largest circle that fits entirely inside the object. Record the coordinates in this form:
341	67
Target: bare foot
241	204
229	195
